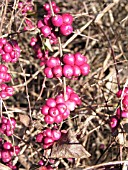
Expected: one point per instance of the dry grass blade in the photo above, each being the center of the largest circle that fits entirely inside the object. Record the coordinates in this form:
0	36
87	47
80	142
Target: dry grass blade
3	167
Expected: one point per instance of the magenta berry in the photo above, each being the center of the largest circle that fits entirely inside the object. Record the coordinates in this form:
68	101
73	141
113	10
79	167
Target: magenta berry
66	29
49	119
39	137
53	111
58	119
67	18
57	20
44	110
113	122
7	48
79	59
85	69
69	59
48	72
51	102
7	145
56	134
57	71
48	140
68	71
45	30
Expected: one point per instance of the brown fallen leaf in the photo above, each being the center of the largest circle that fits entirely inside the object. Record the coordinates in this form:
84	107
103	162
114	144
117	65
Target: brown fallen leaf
25	119
4	167
68	147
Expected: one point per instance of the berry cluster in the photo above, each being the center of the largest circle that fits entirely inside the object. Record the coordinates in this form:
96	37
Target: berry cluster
58	109
25	7
9	50
114	120
6	91
7	151
4	75
49	23
42	55
7	126
74	65
48	137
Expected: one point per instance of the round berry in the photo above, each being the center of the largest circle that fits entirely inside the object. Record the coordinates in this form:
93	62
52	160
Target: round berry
51	102
68	71
69	59
57	20
45	30
67	18
66	29
85	68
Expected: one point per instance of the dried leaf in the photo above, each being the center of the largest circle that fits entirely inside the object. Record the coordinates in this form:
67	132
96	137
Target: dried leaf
24	119
48	44
68	147
4	167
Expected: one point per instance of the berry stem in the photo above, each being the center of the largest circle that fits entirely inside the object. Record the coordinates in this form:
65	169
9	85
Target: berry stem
51	8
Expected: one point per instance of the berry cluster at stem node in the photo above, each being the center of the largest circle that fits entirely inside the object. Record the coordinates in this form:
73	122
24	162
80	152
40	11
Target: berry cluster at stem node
58	109
7	152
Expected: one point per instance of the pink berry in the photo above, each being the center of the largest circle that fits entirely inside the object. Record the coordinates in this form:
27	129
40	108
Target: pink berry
66	114
9	91
7	48
3	94
113	122
76	98
46	146
46	7
4	120
85	68
44	110
41	162
53	111
47	132
124	114
69	59
61	107
76	71
7	145
57	20
51	102
57	71
69	90
58	119
68	71
3	41
71	104
49	119
66	29
45	30
79	59
39	137
48	140
125	102
56	9
5	156
6	57
52	62
48	72
67	18
3	68
56	134
59	99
